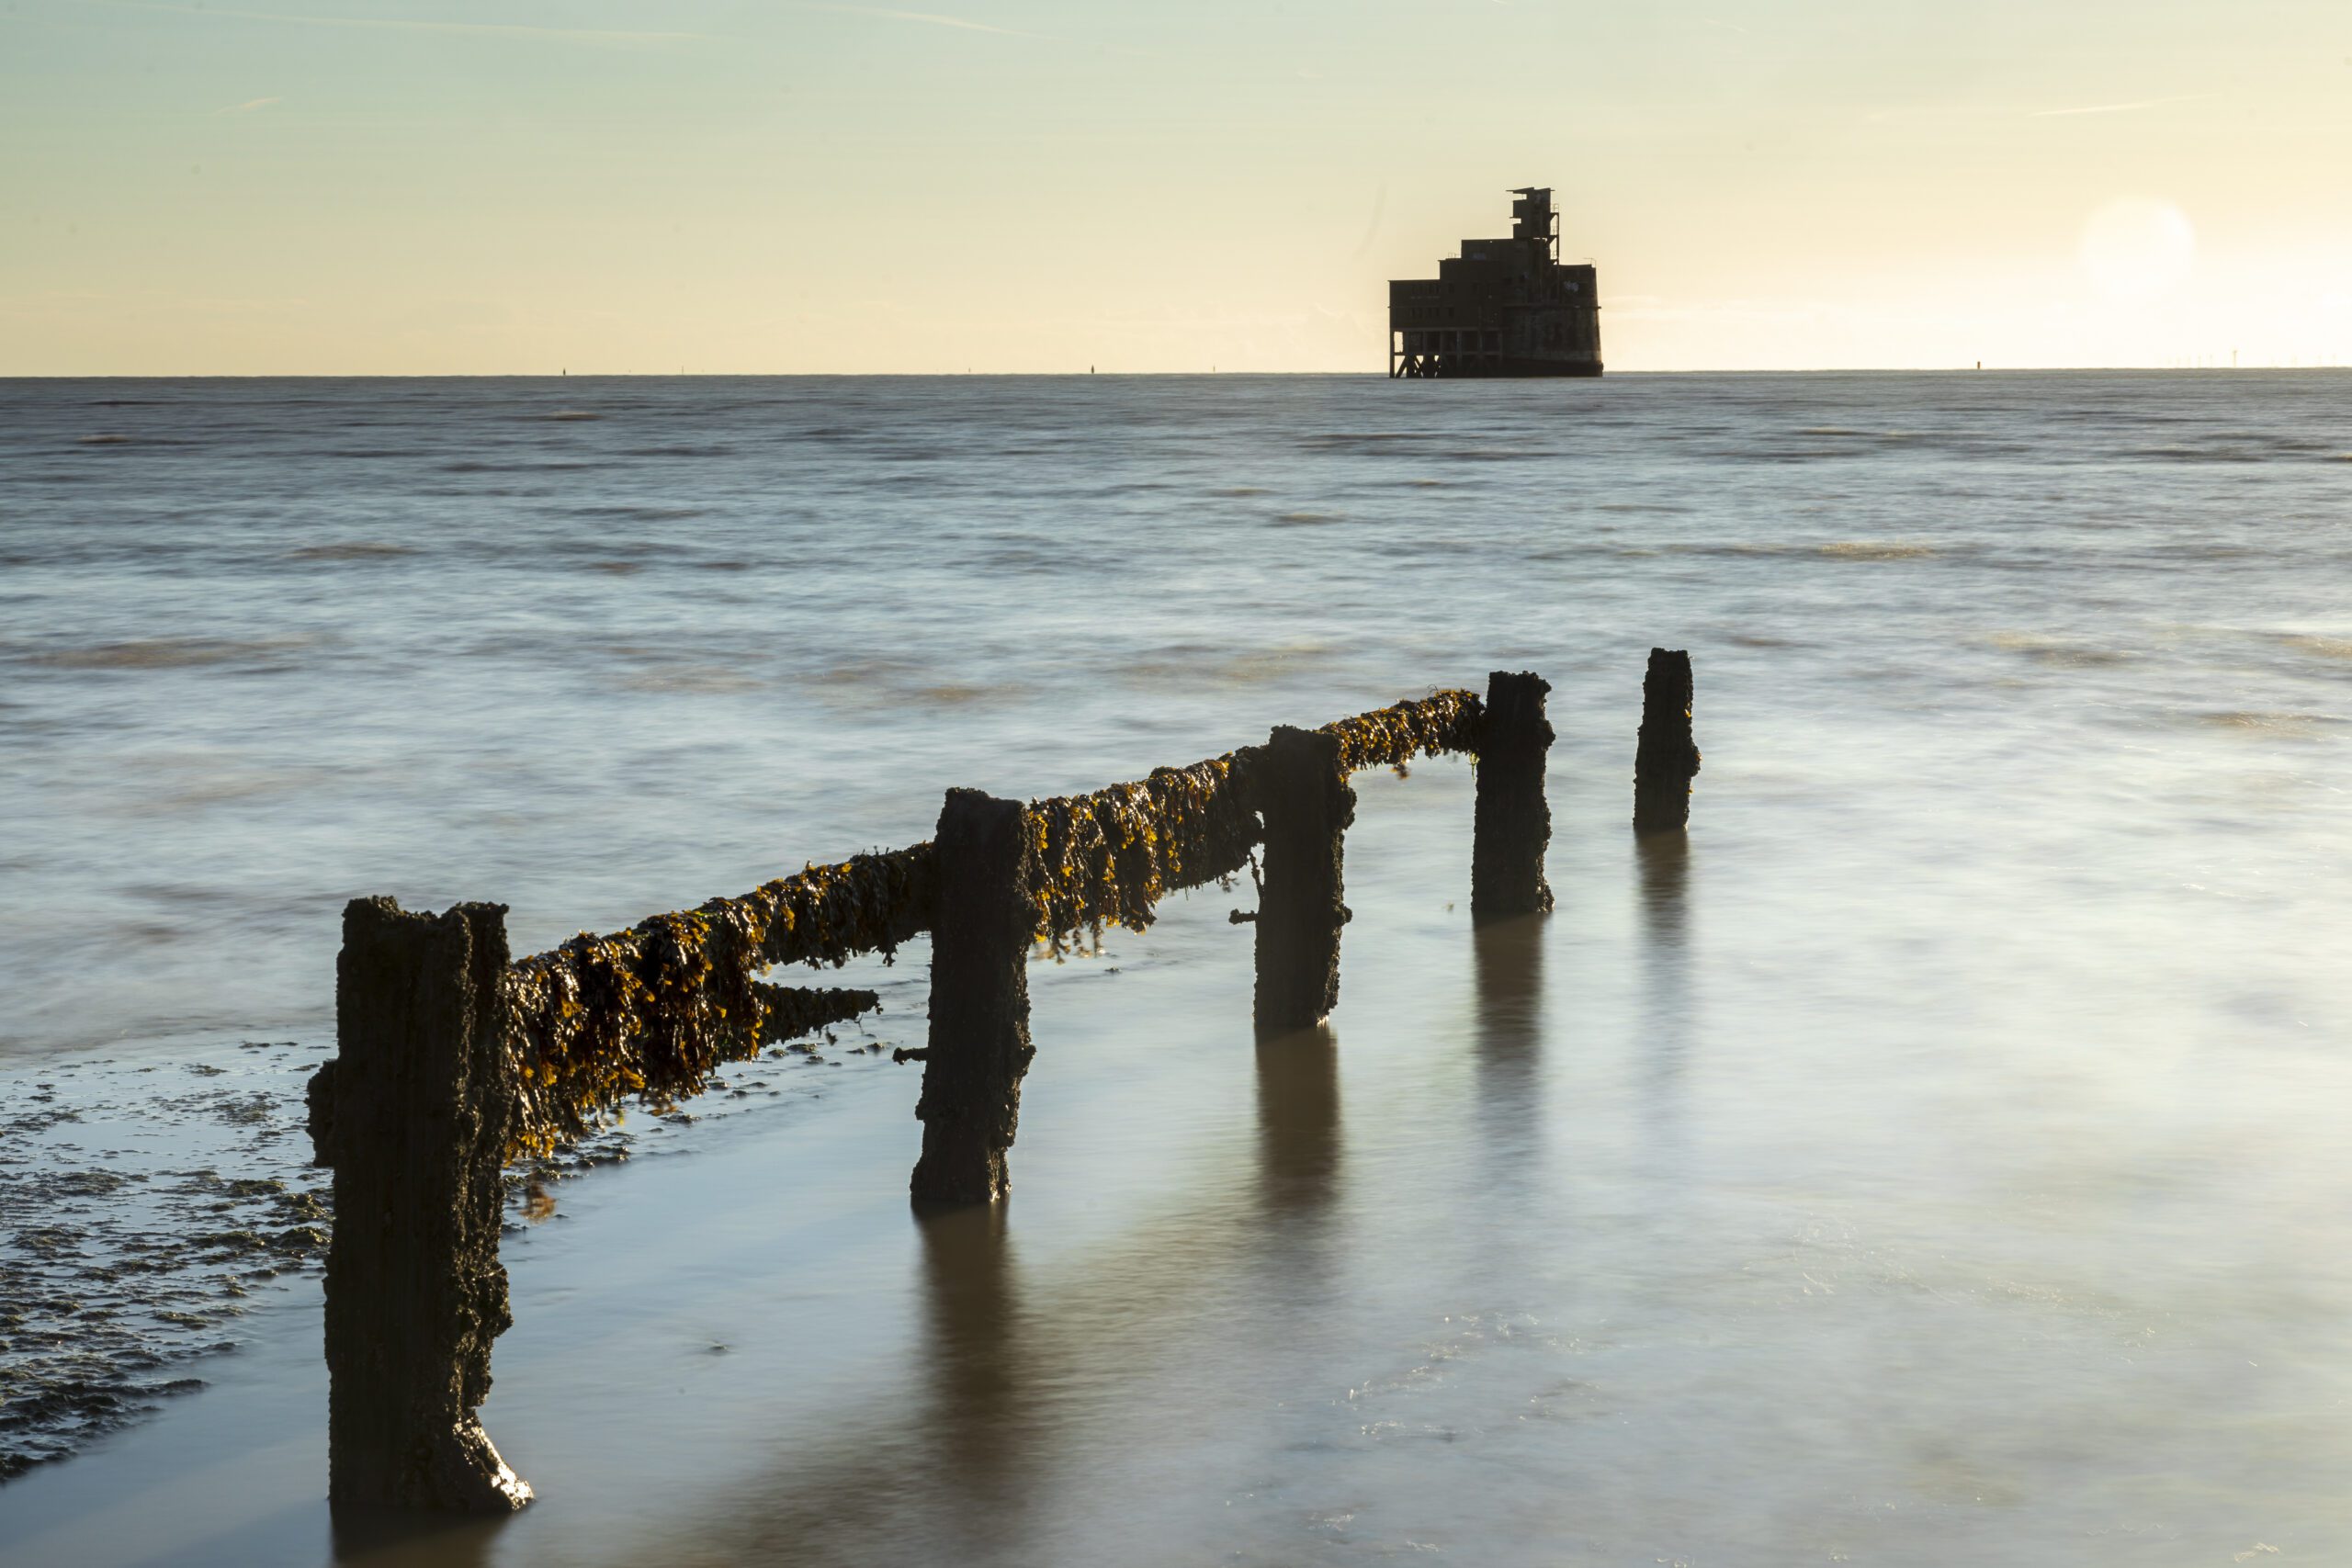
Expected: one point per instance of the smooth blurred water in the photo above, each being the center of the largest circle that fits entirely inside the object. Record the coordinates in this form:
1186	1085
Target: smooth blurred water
1931	1162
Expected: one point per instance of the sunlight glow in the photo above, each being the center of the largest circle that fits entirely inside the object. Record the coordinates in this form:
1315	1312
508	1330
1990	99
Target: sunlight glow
2137	251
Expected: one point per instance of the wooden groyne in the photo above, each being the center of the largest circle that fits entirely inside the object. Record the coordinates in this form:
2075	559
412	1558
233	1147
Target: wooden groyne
452	1060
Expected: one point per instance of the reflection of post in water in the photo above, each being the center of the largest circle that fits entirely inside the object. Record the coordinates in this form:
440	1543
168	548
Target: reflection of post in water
974	1358
1507	956
1298	1120
1665	864
384	1538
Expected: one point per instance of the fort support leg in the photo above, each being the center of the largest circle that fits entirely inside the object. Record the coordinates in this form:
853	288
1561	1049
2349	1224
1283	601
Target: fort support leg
420	1106
979	1049
1513	824
1304	795
1666	760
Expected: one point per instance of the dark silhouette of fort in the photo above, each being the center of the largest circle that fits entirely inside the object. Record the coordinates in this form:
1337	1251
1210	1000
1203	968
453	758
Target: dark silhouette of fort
1501	307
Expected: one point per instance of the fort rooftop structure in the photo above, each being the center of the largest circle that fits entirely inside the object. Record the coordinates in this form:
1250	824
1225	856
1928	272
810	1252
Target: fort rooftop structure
1501	307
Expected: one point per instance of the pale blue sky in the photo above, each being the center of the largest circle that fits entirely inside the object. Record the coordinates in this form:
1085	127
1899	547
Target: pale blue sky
1019	185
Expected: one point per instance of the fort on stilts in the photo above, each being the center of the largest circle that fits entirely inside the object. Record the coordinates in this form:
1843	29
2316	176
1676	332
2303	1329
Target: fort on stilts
456	1059
1501	307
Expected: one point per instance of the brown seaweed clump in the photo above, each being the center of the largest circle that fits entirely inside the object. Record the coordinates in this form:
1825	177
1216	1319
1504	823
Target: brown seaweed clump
1107	858
652	1012
1425	726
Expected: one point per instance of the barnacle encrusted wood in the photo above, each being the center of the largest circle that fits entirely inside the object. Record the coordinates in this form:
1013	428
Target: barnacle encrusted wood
1107	858
1309	805
1665	757
415	1291
1511	823
652	1012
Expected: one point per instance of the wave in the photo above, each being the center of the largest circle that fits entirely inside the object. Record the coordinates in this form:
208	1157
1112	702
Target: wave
630	513
350	549
166	653
2198	454
2057	651
475	466
2301	726
1873	550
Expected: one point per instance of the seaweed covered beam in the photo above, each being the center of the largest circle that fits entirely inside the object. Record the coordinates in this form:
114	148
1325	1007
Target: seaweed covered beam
1107	858
1419	726
652	1012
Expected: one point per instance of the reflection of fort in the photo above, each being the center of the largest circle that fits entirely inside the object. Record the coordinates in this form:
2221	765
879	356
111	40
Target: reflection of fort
1501	307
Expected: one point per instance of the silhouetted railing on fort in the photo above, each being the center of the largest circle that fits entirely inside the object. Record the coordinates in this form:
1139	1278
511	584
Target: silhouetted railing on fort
452	1059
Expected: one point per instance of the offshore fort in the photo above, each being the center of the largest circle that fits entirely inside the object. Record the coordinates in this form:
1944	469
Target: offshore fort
1501	307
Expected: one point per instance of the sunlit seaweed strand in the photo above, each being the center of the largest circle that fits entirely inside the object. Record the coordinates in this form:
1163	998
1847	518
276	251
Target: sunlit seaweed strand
1107	858
1426	727
653	1011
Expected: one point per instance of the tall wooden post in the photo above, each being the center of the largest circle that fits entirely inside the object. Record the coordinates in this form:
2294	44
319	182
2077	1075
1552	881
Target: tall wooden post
421	1106
1512	823
1666	759
1303	793
981	929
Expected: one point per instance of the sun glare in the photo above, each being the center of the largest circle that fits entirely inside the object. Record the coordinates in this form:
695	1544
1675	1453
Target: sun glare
2135	250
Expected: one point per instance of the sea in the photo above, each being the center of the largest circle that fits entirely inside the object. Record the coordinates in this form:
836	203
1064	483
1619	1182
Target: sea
1926	1159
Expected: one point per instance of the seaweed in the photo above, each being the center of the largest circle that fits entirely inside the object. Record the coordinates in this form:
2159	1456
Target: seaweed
791	1012
1392	737
652	1012
1107	858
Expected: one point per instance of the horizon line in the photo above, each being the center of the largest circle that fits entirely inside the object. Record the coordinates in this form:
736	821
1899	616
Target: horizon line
565	375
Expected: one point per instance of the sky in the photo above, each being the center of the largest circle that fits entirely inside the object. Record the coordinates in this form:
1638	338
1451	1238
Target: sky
464	186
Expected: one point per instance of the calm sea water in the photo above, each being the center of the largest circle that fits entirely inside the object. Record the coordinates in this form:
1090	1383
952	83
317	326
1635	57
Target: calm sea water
1931	1162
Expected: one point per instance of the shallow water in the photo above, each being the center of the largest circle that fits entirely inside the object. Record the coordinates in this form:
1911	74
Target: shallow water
1929	1165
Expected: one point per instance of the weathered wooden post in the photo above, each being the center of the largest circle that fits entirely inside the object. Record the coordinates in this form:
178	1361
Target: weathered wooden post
1303	793
416	1113
1511	823
981	927
1665	760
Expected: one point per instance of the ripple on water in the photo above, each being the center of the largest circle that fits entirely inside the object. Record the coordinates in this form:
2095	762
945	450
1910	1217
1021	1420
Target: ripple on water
351	549
1875	549
2058	651
168	653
